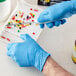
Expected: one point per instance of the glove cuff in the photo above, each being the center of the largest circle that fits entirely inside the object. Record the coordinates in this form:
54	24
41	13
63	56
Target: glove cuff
41	57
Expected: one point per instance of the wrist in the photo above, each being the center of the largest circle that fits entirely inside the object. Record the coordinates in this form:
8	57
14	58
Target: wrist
51	68
40	59
48	67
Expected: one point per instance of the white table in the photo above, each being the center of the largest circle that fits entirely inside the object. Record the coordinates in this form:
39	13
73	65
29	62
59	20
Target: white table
57	41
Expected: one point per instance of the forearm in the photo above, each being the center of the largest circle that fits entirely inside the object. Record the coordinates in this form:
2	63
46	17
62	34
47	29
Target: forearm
51	68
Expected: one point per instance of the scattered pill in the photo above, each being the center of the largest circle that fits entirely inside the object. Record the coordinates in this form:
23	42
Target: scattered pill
30	8
13	18
35	10
27	25
27	17
18	25
8	39
16	14
3	37
9	23
32	20
30	23
9	27
21	16
18	30
33	33
33	15
36	24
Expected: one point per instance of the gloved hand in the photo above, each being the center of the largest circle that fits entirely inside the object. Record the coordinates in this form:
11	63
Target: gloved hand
56	13
27	53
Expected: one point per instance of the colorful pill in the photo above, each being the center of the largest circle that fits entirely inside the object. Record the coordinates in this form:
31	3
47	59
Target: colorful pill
3	37
13	18
27	17
9	22
35	10
30	8
33	33
8	39
16	14
21	16
18	30
32	20
9	27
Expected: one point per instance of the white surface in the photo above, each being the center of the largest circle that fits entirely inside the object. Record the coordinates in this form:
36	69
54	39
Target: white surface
14	4
5	7
58	41
24	8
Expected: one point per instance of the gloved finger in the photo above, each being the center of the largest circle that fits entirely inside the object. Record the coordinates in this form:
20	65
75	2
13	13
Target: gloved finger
41	25
63	21
9	46
57	23
50	25
44	17
13	58
11	50
25	37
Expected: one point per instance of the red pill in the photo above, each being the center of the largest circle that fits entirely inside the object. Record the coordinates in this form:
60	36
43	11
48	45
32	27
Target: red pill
33	33
32	20
3	37
35	10
30	8
13	18
8	27
8	39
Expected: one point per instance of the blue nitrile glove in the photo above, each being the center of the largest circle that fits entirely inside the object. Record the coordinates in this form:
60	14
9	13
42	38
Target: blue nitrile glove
56	13
27	53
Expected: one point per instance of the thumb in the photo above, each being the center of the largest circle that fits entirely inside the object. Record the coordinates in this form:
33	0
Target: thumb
44	17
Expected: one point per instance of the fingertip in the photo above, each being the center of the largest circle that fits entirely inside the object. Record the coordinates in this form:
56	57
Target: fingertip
49	25
63	21
42	26
9	49
57	23
9	46
8	54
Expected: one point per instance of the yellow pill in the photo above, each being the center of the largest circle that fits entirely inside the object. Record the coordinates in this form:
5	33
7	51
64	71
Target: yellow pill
74	59
20	26
27	25
36	24
75	48
47	0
